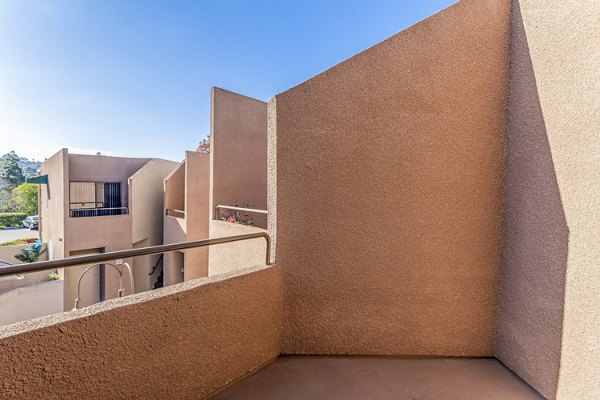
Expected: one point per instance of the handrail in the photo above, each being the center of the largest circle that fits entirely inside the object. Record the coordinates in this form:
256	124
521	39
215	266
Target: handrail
172	211
238	209
142	251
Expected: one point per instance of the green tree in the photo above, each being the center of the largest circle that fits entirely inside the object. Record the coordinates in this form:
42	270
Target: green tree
11	173
25	198
6	203
204	145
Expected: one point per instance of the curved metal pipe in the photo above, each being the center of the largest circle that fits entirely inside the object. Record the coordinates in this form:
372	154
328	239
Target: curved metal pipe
126	265
119	271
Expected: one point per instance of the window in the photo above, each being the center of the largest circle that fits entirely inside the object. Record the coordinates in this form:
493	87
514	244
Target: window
93	199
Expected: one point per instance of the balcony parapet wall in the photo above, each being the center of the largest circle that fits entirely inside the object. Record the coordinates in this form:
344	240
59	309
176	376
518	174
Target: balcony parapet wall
196	336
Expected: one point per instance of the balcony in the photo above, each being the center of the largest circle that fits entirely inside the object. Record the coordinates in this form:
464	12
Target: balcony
426	245
175	213
200	339
204	337
242	215
97	212
95	199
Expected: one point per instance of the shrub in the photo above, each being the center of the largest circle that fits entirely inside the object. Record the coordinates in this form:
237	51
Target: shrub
54	276
18	242
237	217
12	219
30	254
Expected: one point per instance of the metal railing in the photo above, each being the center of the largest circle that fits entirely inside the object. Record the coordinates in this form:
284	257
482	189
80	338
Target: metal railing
142	251
222	207
98	212
86	204
172	212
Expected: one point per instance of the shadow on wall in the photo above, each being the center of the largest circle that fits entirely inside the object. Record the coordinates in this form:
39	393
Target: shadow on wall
535	232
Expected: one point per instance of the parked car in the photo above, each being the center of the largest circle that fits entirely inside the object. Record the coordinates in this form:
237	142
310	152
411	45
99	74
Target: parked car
31	222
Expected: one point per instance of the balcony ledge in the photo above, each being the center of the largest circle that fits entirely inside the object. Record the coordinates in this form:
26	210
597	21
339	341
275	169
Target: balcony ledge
50	320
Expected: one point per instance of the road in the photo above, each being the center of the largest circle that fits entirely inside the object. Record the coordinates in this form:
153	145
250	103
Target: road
7	235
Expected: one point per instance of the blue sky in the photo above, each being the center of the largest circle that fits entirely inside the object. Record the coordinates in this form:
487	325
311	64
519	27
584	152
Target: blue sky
132	78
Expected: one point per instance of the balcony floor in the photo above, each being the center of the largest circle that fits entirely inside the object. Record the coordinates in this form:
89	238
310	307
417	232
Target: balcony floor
354	378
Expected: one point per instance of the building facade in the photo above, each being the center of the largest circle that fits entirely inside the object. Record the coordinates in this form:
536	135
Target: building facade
436	195
95	204
199	192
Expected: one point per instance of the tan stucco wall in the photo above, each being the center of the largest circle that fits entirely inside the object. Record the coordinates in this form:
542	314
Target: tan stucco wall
53	204
146	206
174	227
32	301
390	243
185	341
146	192
174	187
197	176
187	189
65	235
109	233
83	167
272	174
174	232
399	222
234	256
238	151
556	86
535	237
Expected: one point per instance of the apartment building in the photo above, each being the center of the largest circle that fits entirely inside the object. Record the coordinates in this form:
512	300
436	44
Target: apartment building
94	204
186	218
204	195
433	202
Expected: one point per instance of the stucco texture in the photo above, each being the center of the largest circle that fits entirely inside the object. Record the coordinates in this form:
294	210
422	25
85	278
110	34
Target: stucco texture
197	213
174	186
141	180
146	205
560	80
89	168
237	255
52	203
161	345
535	237
174	224
238	152
390	243
31	301
187	189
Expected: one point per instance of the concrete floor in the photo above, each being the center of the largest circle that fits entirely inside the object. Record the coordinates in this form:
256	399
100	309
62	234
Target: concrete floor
364	378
